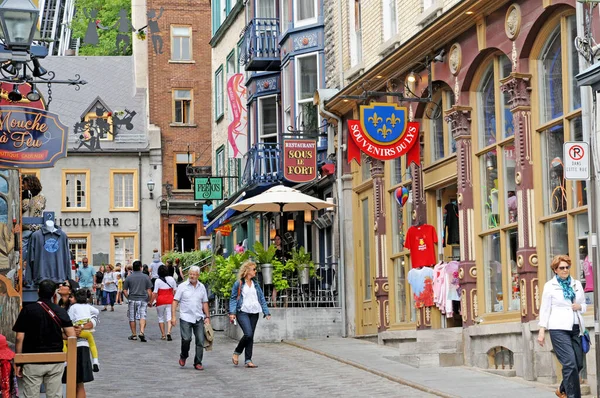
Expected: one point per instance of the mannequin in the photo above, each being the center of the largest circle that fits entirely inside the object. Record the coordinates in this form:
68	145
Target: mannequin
50	225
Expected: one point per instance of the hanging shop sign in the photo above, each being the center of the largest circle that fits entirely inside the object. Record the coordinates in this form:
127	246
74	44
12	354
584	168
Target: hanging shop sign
300	160
225	230
208	188
31	138
383	132
577	161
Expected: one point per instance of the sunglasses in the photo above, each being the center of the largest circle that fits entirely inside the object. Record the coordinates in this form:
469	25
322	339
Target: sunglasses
565	268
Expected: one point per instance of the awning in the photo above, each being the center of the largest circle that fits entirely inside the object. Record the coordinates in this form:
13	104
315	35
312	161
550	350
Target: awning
223	216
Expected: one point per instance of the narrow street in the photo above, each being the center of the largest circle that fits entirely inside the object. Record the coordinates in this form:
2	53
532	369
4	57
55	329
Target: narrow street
136	369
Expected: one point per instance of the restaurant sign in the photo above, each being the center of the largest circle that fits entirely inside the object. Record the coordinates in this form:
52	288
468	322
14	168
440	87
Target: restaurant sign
300	160
208	188
225	229
31	138
383	132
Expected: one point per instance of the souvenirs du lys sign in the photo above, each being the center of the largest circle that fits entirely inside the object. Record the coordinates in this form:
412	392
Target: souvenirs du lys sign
31	138
383	132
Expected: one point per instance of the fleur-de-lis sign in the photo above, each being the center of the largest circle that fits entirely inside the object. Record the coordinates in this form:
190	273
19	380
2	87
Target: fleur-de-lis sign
393	120
375	119
384	131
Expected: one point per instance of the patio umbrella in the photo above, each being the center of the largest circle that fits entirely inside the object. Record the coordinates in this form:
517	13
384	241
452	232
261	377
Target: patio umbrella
280	199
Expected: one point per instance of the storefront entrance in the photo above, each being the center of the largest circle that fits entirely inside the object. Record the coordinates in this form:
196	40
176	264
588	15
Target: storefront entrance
184	237
366	263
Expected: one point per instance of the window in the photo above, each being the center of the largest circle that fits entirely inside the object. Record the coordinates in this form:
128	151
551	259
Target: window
79	246
307	82
182	160
75	190
285	15
564	202
219	93
428	4
181	43
123	248
216	15
390	27
496	164
305	12
355	32
182	106
220	162
123	190
267	119
286	94
442	142
231	66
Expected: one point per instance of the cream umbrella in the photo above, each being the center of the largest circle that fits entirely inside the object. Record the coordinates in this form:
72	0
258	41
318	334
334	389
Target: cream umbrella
280	199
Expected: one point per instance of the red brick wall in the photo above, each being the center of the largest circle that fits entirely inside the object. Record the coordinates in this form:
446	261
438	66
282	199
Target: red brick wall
165	76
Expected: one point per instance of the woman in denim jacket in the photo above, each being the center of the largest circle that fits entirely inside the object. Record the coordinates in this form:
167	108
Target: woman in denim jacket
247	300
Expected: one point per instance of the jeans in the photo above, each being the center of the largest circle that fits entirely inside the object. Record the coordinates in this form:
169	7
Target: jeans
567	347
186	339
248	324
109	298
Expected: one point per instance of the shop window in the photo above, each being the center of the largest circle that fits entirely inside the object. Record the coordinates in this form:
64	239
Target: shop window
510	164
493	273
490	192
579	187
557	240
182	106
584	261
400	265
181	39
575	93
555	195
551	76
398	225
75	190
123	190
514	300
396	171
78	247
182	160
123	248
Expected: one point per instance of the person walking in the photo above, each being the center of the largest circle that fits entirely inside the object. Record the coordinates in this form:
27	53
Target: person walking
193	314
247	300
99	277
153	268
109	285
85	277
119	289
138	291
563	302
164	289
39	329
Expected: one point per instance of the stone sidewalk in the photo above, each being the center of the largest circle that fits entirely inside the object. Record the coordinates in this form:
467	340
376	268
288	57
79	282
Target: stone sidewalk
444	382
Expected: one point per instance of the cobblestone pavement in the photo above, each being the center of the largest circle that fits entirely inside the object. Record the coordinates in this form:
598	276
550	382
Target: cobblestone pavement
136	369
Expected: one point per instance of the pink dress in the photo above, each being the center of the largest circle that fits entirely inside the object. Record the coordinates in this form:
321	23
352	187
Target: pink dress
588	271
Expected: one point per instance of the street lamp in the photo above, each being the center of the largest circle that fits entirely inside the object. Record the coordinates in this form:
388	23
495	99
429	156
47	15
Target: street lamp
18	19
150	184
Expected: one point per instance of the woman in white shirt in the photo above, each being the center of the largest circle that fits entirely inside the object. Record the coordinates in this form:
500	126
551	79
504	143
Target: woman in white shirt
109	286
164	290
247	300
563	302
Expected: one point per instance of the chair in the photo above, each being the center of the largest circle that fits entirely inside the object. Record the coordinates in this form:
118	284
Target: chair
325	291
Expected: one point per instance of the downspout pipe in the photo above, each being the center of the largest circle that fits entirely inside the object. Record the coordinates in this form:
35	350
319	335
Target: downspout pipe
140	203
321	95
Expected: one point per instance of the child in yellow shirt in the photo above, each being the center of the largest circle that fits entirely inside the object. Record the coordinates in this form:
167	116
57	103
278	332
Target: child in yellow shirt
119	289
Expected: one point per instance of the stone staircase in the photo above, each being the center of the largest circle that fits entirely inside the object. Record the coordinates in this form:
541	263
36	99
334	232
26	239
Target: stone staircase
427	348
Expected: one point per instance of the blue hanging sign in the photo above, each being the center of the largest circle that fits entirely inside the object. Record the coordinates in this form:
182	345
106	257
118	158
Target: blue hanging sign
31	138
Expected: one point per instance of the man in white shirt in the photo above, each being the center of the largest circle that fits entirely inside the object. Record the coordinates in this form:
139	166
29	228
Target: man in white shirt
193	314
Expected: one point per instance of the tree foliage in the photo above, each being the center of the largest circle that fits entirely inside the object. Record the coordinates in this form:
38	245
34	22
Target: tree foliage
108	17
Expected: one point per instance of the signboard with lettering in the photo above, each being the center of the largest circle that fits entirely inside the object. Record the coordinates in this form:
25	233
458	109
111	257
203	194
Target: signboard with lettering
300	160
208	188
383	132
31	138
225	229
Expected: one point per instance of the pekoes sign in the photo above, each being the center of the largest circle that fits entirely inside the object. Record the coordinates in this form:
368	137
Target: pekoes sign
383	132
300	160
208	188
30	138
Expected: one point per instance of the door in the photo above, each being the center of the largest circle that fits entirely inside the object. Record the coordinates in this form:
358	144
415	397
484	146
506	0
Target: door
367	318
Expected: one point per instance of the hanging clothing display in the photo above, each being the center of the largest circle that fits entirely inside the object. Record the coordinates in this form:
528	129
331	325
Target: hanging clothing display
49	256
420	240
588	272
421	282
446	288
451	226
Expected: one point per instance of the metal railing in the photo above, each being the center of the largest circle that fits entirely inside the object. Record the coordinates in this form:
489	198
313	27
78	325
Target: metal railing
261	38
263	164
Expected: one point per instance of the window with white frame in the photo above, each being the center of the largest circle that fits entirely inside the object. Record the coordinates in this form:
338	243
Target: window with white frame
123	248
307	82
181	43
428	4
219	92
123	195
355	32
390	27
305	12
76	184
267	114
220	161
285	15
182	106
231	69
286	94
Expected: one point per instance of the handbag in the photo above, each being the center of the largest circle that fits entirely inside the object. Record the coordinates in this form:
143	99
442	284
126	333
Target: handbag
586	342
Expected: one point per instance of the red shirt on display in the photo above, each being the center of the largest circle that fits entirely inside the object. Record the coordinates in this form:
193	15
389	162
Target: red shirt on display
419	240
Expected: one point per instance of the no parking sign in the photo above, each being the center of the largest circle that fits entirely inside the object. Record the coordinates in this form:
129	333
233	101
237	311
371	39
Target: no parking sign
577	160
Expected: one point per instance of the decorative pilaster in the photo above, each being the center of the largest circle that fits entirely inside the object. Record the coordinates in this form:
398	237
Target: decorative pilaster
518	88
460	119
381	285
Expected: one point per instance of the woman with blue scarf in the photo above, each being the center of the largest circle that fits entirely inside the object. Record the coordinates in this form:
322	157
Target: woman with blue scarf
563	302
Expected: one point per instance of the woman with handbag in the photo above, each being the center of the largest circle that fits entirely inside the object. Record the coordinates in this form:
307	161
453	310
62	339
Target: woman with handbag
247	300
563	302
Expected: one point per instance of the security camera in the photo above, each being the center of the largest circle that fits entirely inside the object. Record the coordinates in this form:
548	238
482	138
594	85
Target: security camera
440	56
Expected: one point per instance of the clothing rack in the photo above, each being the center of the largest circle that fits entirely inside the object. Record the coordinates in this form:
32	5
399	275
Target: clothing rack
30	294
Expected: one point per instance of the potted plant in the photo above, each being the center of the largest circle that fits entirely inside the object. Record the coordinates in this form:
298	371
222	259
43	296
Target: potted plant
264	258
302	261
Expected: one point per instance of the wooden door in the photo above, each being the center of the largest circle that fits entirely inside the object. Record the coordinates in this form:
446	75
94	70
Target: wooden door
367	317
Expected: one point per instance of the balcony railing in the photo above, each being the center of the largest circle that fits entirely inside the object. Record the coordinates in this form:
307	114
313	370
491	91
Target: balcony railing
261	45
263	164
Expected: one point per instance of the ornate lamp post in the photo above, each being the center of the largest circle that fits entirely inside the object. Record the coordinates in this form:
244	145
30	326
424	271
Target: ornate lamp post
18	20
